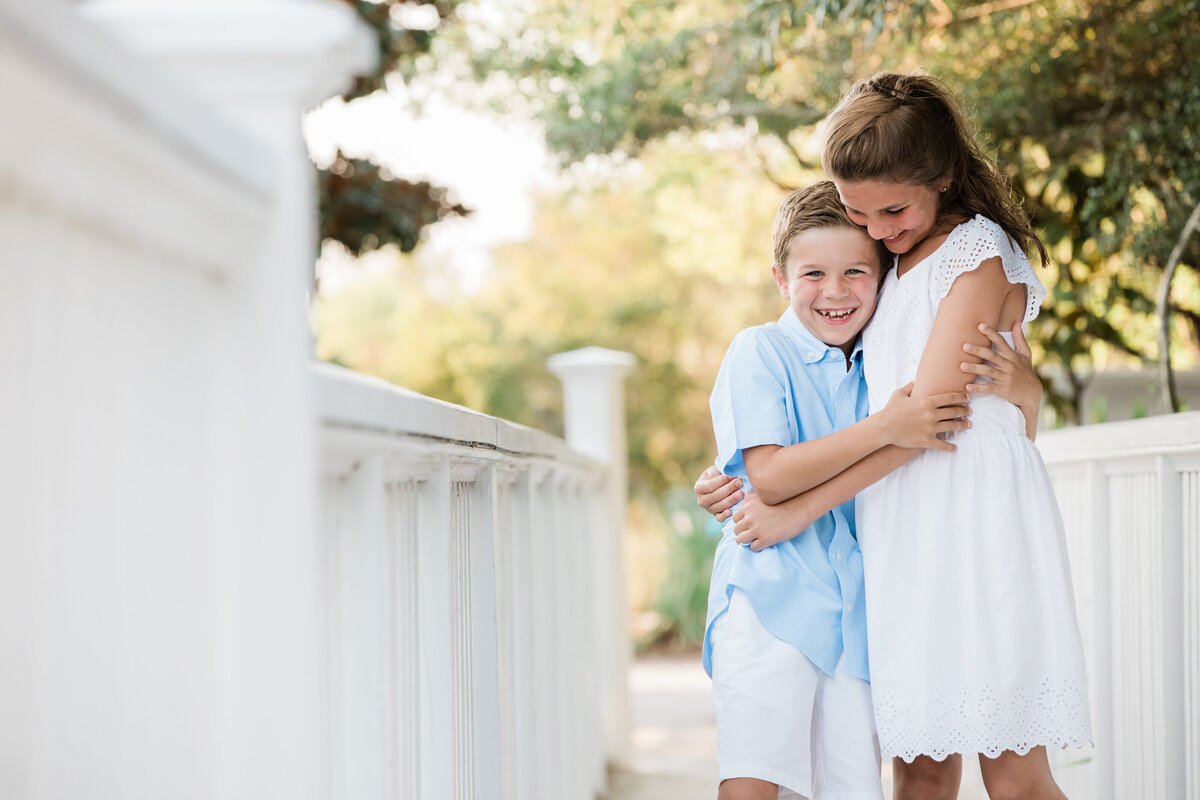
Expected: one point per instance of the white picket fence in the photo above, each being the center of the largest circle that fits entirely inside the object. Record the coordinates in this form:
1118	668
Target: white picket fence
472	613
226	573
1130	498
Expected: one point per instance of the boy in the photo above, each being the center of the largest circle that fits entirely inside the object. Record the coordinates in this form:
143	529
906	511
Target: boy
785	642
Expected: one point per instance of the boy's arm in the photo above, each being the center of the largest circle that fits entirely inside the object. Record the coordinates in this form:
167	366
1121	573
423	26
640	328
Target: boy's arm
778	473
975	295
760	525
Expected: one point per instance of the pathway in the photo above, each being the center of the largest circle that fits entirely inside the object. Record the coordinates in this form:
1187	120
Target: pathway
675	737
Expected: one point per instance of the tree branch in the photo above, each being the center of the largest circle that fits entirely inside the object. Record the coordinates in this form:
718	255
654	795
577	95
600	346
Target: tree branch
771	176
1170	395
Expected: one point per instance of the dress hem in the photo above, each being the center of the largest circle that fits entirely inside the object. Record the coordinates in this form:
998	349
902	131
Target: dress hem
992	752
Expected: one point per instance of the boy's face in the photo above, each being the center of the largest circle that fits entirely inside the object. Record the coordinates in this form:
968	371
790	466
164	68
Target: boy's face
831	280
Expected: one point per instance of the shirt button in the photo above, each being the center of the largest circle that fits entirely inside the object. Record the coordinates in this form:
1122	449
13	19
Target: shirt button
849	607
838	555
811	355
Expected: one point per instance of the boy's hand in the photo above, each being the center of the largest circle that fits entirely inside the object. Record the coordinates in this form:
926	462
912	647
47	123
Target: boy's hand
716	492
761	526
916	421
1010	368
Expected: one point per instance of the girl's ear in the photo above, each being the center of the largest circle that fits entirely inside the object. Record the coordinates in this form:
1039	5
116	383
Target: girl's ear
781	281
946	181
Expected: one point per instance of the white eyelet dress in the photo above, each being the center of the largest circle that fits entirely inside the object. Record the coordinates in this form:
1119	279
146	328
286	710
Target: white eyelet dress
973	641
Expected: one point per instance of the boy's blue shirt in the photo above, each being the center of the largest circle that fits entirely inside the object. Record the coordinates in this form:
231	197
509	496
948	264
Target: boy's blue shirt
779	384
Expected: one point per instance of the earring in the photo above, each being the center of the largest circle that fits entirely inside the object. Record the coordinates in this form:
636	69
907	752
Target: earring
945	189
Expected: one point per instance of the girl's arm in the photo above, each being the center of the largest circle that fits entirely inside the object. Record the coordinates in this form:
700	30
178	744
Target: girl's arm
760	525
777	472
981	293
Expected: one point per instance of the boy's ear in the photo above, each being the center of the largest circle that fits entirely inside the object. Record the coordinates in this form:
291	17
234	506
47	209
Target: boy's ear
781	281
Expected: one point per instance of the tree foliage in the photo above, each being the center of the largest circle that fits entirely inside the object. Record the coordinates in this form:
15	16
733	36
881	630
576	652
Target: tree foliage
1092	107
656	264
366	208
362	205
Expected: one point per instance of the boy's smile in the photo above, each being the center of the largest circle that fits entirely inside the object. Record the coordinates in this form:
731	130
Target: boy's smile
831	279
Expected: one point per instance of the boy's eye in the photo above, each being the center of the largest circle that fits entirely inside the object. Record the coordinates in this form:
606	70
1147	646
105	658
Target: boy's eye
813	274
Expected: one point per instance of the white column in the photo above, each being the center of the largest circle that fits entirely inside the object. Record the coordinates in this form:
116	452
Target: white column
260	64
594	412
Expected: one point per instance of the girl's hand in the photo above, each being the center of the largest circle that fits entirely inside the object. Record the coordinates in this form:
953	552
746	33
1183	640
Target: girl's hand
716	492
916	421
761	526
1010	368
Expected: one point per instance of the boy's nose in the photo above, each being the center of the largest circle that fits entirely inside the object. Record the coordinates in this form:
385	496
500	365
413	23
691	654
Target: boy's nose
836	287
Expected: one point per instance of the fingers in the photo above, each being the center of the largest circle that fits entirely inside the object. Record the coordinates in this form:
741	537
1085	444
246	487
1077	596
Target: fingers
953	426
709	480
948	399
1020	344
994	337
987	370
988	354
716	493
722	507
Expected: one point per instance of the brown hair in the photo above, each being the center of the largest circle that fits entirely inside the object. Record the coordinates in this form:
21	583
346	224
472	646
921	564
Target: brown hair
911	129
816	206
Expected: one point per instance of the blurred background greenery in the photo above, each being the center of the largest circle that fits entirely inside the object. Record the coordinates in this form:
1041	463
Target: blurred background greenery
677	128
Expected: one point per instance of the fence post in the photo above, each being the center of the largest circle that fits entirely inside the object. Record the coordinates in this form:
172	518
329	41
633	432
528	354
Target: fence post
594	413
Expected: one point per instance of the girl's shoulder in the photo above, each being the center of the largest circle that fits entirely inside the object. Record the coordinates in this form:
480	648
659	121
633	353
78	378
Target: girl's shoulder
975	241
981	235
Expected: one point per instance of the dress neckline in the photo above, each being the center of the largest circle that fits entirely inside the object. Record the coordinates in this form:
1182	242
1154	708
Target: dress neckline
932	253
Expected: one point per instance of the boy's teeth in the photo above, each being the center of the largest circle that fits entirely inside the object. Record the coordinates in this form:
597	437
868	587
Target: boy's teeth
837	314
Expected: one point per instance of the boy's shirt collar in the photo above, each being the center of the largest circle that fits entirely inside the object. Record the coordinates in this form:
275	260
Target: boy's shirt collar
813	349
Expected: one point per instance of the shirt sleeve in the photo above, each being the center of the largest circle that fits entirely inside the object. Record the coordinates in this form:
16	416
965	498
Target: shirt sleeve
976	241
749	401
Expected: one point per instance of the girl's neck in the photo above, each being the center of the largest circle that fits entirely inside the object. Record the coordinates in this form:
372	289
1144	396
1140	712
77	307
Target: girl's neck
925	248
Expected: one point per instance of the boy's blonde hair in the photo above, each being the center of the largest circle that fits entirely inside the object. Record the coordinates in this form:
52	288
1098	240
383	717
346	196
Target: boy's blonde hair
911	129
816	206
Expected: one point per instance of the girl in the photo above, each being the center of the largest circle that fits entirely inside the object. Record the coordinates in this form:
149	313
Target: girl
971	625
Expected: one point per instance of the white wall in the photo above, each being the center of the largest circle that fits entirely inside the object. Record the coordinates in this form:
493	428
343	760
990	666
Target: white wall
160	577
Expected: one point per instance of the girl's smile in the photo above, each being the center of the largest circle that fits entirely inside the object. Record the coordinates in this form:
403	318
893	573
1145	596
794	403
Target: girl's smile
900	215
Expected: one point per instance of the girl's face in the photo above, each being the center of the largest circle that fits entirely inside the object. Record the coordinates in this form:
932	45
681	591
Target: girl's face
901	215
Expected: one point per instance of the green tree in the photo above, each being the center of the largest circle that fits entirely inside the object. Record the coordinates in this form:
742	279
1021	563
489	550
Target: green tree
1093	107
666	259
362	205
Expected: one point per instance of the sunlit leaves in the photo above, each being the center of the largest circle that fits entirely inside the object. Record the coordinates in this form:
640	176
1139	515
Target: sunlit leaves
365	208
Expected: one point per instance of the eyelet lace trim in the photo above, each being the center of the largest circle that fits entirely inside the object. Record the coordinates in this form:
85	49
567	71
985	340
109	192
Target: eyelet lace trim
972	243
1053	714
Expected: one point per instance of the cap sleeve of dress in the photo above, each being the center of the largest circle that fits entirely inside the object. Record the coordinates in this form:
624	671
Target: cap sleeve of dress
972	243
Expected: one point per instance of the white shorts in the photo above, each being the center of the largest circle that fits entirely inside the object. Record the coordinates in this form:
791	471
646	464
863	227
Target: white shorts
782	720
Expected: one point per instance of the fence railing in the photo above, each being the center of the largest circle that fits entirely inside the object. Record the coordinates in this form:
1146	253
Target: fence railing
468	564
1130	498
220	576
